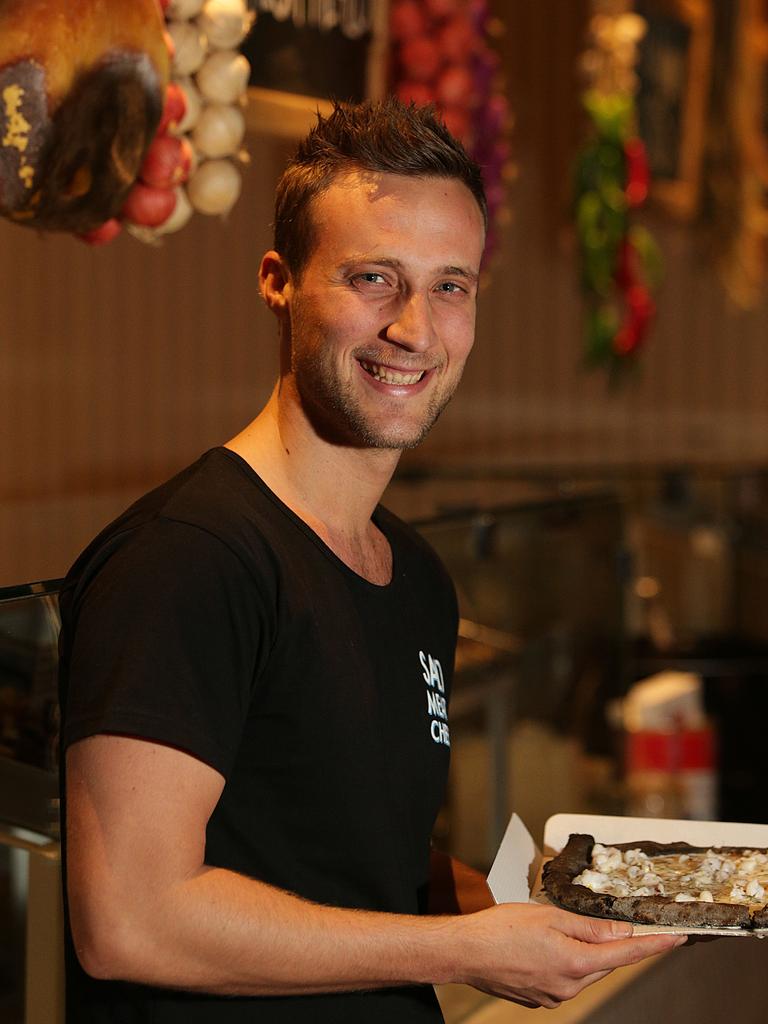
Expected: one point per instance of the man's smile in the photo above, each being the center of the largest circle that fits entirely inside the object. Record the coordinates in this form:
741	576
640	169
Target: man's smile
389	375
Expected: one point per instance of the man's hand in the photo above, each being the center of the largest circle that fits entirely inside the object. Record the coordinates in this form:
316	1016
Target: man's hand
540	956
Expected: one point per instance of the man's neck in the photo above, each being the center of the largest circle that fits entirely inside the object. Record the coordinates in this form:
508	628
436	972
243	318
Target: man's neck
333	488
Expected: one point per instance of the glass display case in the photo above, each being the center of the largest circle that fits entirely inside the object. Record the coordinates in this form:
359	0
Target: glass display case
31	970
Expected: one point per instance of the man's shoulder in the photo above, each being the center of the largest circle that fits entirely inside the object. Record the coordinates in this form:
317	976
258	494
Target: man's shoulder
216	492
216	503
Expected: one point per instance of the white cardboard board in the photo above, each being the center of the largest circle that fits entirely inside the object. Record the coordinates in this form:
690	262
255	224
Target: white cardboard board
515	874
515	866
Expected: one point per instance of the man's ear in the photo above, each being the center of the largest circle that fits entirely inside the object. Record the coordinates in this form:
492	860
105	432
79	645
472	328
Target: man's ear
275	282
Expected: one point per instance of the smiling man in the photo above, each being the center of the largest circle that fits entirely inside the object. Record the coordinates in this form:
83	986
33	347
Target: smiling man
256	657
383	324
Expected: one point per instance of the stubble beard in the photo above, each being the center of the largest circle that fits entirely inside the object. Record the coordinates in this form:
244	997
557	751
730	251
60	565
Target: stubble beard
336	413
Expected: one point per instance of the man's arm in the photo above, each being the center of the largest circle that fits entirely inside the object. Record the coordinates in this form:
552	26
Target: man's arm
145	907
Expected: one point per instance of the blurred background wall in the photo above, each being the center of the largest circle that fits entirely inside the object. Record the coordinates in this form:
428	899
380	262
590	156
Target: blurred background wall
119	365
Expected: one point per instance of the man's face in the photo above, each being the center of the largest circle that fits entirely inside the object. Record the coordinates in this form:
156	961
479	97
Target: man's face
382	318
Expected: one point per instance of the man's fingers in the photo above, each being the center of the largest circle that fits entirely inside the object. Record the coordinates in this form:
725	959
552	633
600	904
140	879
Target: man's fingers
599	930
590	979
597	976
608	955
531	1004
593	929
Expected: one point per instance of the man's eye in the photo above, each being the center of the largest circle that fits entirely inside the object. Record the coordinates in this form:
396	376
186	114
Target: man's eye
450	287
369	277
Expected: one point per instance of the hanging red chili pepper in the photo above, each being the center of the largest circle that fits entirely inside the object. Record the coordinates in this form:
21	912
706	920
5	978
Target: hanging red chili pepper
638	172
618	258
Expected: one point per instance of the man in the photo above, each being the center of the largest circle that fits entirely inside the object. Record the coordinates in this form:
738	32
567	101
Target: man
252	774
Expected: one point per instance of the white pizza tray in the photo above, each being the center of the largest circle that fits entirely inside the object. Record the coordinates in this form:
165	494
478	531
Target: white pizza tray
515	876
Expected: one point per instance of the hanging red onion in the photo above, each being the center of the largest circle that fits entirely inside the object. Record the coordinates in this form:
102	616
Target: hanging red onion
443	8
149	206
458	122
420	58
455	86
406	19
415	92
167	163
174	109
456	39
104	233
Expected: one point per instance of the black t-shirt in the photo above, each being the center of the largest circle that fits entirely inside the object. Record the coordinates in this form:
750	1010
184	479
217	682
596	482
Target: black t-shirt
211	618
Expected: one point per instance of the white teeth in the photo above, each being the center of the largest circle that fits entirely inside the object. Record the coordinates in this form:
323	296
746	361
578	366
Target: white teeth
387	376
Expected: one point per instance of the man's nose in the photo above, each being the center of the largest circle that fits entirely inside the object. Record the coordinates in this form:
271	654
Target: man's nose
412	327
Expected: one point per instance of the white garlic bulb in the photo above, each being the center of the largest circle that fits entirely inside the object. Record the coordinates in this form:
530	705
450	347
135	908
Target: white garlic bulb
223	78
190	47
225	22
219	130
215	187
184	9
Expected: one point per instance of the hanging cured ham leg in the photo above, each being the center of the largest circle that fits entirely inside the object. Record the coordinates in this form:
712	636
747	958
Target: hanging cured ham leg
82	84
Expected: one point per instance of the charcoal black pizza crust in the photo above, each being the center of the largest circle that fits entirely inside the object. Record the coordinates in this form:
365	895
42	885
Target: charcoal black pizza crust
576	856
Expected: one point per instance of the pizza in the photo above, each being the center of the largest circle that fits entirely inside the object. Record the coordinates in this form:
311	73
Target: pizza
672	884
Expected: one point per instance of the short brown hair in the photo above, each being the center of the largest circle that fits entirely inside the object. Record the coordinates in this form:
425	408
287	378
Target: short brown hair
384	136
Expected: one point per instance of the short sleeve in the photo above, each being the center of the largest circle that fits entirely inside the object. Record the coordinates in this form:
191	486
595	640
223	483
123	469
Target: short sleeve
167	641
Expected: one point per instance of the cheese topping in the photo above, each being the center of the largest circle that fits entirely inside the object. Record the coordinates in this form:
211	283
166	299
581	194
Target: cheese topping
709	877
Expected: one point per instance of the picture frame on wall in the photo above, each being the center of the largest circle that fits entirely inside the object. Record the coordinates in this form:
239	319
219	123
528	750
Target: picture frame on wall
304	53
674	71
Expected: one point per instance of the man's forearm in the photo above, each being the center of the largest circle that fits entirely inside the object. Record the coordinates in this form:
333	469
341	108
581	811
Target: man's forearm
223	933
